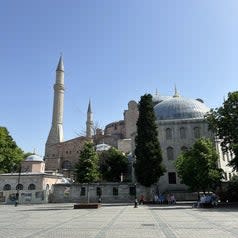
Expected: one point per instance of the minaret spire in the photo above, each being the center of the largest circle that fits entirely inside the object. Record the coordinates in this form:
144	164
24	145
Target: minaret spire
56	131
60	66
89	122
156	92
176	94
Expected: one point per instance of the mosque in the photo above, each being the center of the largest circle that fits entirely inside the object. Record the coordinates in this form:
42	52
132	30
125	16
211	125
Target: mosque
180	123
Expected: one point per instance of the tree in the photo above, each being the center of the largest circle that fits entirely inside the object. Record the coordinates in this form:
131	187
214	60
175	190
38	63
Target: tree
197	167
148	166
113	163
224	122
86	170
10	154
232	189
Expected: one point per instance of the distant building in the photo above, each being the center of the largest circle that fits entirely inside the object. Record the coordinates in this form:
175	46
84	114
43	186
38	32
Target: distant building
32	183
180	123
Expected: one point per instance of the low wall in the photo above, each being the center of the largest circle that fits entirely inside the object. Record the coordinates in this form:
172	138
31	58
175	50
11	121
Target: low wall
108	193
25	196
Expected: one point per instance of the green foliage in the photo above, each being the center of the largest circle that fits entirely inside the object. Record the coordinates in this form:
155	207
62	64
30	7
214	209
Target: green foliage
10	154
229	190
197	167
112	164
86	170
224	122
232	189
148	166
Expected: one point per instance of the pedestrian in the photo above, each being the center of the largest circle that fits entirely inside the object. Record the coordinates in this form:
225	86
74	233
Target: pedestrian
141	199
136	203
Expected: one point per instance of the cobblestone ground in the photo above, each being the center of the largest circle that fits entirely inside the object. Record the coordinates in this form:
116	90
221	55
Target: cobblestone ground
114	221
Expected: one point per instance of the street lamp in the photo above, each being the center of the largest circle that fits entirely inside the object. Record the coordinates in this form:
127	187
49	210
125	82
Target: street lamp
18	186
136	201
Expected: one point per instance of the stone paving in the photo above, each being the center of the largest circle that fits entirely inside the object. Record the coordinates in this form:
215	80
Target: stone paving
119	220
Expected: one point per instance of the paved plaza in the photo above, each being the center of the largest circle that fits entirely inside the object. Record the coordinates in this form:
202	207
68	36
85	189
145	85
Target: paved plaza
114	221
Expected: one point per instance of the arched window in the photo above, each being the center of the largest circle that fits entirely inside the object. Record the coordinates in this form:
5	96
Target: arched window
170	153
196	132
7	187
168	132
184	148
182	133
19	187
66	165
32	186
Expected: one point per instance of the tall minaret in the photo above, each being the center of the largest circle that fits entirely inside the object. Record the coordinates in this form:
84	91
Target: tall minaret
89	122
56	132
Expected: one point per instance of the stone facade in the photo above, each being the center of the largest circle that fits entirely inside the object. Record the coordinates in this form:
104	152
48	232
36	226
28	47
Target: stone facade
63	156
34	187
174	137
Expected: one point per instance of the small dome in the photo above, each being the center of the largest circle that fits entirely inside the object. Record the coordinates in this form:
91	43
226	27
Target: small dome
34	158
102	147
180	108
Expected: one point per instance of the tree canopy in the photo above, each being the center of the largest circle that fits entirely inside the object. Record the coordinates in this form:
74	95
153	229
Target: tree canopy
197	167
224	122
86	170
113	163
10	154
148	166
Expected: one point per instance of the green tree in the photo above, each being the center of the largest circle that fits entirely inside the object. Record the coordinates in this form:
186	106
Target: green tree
148	166
197	167
232	189
113	163
10	154
224	122
86	170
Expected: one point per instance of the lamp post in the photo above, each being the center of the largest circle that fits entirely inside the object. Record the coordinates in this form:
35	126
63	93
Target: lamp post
18	186
88	193
136	201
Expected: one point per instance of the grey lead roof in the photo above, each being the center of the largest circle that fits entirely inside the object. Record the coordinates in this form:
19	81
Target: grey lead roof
180	108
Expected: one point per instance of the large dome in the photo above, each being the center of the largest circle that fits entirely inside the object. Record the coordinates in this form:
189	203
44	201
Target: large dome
180	108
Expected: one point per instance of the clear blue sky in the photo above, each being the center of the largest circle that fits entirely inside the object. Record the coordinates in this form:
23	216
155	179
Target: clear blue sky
114	51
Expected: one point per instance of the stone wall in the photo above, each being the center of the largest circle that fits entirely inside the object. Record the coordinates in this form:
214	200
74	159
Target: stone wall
25	196
110	192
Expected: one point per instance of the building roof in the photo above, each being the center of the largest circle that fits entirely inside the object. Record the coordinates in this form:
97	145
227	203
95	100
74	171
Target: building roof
34	157
159	98
180	108
102	147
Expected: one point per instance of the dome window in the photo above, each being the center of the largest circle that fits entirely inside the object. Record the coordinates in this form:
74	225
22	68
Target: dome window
168	132
197	133
182	133
170	153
